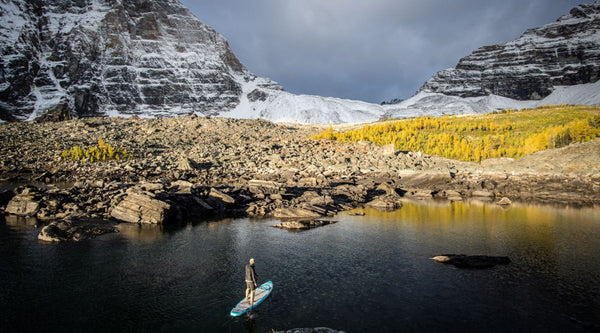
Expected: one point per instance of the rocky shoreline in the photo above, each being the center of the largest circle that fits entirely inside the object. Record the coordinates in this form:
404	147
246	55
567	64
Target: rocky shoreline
192	165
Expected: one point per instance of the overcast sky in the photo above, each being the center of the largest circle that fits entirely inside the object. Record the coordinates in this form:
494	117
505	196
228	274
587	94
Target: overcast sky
371	50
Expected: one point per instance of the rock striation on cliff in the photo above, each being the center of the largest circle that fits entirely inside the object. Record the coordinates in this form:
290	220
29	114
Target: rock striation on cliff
112	57
562	53
152	58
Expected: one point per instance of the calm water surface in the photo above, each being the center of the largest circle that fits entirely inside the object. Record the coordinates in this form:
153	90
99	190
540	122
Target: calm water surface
362	274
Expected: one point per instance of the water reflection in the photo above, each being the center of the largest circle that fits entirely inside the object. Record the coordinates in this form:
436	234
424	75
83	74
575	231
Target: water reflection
365	273
21	222
142	233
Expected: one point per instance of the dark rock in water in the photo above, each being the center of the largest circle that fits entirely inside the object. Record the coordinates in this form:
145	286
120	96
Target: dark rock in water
73	230
476	261
311	330
303	225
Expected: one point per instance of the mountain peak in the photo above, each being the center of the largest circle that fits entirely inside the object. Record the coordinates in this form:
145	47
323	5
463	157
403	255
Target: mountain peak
104	57
563	53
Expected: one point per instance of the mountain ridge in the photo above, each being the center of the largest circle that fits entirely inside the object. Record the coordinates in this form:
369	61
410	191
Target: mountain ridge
155	58
108	57
564	52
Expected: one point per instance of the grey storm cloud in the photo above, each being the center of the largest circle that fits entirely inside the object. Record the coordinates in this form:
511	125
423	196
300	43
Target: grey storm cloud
367	50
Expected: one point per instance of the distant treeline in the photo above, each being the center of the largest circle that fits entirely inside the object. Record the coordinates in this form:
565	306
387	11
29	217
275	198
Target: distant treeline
509	133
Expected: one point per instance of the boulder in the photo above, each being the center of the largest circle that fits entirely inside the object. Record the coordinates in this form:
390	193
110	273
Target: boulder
182	187
350	192
388	149
142	208
321	201
452	195
72	230
23	205
221	196
505	202
186	163
257	186
302	225
419	194
385	202
388	189
475	261
483	194
291	212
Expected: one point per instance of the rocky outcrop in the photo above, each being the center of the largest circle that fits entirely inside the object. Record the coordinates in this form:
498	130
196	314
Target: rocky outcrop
26	203
143	208
295	213
74	230
565	52
466	261
104	57
385	202
257	168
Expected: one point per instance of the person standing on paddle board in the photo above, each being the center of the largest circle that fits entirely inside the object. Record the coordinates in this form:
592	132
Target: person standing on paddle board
250	280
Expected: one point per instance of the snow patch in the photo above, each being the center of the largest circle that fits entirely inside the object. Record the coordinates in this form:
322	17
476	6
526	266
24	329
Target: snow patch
437	105
281	106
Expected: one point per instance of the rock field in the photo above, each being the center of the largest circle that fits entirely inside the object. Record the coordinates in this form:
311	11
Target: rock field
216	166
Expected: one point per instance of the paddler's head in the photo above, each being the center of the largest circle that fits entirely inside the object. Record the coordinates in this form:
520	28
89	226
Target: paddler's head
251	261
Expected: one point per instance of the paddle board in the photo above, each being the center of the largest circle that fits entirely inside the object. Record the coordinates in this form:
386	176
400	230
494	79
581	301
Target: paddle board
260	294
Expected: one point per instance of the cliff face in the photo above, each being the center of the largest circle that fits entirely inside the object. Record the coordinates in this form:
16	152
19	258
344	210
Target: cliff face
565	52
75	58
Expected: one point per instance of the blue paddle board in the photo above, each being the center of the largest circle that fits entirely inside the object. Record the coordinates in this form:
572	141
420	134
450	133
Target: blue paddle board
260	294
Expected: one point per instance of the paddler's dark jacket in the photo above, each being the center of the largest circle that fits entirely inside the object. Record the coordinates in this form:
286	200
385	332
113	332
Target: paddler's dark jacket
250	274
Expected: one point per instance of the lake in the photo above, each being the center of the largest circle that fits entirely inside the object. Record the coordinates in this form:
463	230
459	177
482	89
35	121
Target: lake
367	273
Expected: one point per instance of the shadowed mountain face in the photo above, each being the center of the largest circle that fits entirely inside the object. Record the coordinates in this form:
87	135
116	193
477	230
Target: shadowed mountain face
63	59
565	52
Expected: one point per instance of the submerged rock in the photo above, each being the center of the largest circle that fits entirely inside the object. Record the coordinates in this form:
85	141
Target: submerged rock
311	330
505	202
476	261
72	230
303	225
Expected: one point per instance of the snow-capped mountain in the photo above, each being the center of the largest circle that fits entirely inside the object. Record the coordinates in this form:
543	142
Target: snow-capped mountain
108	57
438	104
154	58
73	58
562	53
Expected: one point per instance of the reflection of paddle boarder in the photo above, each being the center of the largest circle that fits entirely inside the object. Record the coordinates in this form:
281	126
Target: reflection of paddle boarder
250	280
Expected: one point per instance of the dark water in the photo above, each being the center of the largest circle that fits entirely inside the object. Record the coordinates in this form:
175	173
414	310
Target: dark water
363	274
